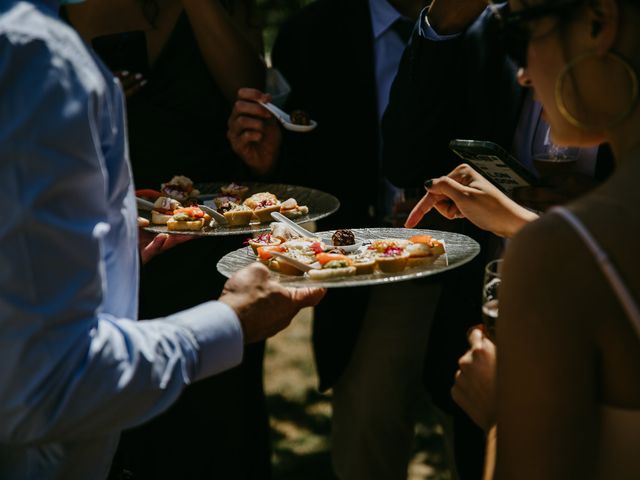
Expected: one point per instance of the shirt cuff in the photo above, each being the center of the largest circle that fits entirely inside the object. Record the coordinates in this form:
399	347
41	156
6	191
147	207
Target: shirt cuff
219	336
427	31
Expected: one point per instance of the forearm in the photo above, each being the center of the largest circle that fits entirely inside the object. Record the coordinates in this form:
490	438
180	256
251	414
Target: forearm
232	58
108	374
490	454
520	217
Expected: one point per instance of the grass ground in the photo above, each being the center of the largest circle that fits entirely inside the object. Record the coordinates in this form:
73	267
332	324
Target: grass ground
301	416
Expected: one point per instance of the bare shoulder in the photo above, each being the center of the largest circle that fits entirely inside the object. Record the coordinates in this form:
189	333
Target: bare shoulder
542	244
549	269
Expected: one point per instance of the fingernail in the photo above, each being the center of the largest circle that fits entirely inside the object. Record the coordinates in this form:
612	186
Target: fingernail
143	83
124	73
428	183
138	76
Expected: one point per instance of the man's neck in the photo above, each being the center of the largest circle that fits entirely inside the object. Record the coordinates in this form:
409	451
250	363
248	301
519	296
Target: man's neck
408	8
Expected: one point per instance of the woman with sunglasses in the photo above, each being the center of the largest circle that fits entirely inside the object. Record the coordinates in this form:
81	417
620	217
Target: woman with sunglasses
568	397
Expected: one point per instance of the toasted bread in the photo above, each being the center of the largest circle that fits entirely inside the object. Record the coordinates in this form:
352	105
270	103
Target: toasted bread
238	217
284	268
327	273
392	263
158	218
364	266
264	214
192	225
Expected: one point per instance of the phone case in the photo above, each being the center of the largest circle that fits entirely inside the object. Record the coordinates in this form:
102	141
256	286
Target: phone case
494	163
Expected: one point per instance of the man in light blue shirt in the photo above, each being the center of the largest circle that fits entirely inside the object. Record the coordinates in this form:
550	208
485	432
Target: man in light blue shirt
76	368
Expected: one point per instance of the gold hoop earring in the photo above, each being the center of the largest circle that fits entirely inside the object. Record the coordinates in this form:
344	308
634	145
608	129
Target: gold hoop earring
569	117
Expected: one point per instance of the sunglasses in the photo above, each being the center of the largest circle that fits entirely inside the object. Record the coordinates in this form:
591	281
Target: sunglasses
516	33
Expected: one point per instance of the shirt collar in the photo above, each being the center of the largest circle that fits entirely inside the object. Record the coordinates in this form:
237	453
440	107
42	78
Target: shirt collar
382	16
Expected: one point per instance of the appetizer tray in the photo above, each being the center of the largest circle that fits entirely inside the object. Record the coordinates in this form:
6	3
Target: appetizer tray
320	204
460	249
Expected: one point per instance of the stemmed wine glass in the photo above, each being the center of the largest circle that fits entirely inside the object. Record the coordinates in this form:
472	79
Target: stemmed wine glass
490	290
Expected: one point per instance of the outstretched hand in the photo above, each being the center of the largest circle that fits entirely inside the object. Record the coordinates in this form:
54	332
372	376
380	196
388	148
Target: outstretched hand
263	306
254	132
464	193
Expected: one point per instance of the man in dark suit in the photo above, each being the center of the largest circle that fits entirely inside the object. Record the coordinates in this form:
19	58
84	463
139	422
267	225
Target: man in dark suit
434	100
340	57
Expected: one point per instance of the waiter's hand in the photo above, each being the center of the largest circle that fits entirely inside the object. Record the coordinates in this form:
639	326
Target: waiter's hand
263	306
151	244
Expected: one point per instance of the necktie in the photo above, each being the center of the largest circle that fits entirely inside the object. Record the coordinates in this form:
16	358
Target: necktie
404	29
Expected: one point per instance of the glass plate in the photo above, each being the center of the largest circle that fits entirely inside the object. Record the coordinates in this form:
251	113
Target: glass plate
321	204
460	249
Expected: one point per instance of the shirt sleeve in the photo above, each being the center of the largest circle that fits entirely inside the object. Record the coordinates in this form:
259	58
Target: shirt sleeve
72	369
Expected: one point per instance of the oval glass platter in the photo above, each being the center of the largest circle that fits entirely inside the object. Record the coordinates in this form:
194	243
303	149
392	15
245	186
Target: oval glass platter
460	249
320	204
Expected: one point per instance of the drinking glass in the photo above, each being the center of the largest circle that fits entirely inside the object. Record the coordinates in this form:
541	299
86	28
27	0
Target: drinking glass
549	159
490	290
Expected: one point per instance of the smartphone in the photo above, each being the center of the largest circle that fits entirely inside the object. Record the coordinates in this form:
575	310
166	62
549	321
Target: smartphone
494	163
123	51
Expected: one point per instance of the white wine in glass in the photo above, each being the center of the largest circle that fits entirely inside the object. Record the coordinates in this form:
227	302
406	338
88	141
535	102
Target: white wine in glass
490	290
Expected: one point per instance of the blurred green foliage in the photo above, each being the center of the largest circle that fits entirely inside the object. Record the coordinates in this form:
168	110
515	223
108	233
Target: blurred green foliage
273	13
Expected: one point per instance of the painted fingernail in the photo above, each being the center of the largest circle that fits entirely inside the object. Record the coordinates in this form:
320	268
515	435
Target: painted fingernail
428	183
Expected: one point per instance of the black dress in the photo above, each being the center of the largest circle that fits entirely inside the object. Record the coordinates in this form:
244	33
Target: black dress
219	426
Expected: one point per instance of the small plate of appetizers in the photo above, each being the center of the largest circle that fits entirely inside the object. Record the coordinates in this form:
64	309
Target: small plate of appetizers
228	208
382	256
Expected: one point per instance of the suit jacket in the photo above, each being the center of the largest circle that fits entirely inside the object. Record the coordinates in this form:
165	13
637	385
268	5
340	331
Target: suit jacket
325	51
460	88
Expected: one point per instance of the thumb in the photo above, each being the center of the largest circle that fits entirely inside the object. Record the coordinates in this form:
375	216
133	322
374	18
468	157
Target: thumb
307	297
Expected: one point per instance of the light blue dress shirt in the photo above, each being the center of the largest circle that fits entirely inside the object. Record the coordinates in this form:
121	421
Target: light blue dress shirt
387	53
387	49
75	366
